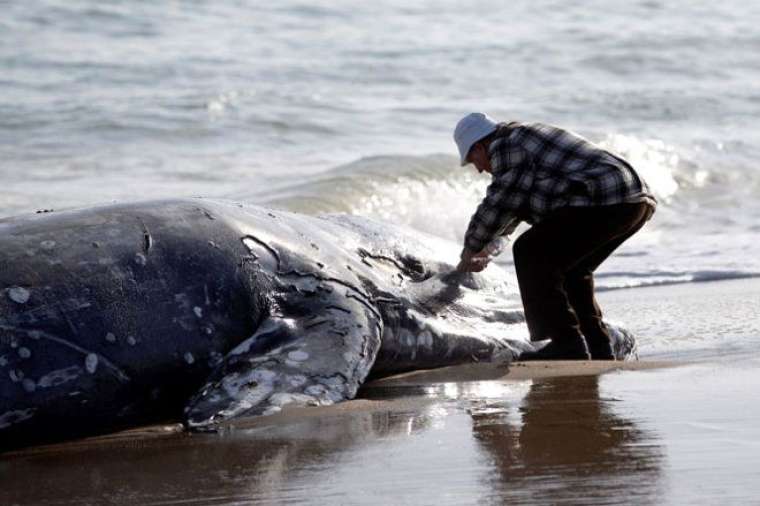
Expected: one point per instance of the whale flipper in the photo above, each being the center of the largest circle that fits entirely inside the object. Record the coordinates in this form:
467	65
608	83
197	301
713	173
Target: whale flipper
314	359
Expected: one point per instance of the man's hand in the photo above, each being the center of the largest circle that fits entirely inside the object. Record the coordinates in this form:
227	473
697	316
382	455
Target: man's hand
473	262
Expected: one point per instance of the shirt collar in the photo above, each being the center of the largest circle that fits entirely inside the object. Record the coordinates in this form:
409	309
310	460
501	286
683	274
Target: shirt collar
505	130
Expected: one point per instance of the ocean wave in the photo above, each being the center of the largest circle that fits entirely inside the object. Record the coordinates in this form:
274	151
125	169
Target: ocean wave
429	193
433	193
653	159
620	280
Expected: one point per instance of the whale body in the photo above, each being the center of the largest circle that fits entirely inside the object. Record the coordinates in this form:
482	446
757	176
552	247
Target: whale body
200	311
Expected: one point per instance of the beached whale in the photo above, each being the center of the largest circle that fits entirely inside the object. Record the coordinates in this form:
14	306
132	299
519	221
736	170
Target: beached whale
201	311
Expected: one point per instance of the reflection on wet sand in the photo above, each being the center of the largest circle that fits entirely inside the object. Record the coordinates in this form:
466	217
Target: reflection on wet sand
277	463
537	442
568	445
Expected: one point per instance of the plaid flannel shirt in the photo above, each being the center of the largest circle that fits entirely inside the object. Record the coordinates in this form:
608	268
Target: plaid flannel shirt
538	168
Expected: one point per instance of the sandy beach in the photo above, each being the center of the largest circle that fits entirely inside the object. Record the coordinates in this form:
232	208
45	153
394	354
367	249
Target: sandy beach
664	430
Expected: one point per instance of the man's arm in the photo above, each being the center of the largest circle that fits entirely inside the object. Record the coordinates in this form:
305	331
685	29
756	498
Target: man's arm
472	262
497	213
476	262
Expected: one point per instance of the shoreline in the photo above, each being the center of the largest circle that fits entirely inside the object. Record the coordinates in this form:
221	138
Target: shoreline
365	402
517	371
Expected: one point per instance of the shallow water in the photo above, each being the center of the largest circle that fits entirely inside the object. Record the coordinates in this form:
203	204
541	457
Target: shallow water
694	321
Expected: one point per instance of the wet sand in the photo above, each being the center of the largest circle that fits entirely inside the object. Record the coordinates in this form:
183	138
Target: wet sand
561	433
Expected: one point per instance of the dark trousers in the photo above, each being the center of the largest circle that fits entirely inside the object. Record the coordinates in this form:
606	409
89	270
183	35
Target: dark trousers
555	262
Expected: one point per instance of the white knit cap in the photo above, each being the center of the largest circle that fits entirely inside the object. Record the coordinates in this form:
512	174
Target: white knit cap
470	130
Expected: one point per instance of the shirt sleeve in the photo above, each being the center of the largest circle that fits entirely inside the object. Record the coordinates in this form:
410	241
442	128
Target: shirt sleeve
510	189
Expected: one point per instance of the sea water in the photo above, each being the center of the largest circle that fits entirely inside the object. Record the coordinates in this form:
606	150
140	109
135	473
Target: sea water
337	106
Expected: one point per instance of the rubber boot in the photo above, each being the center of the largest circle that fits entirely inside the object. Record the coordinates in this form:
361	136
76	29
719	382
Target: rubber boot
599	343
564	349
601	349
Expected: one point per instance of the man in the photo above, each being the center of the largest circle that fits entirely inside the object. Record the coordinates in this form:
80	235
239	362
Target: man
582	201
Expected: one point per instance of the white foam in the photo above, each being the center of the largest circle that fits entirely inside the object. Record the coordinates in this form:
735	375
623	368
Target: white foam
653	159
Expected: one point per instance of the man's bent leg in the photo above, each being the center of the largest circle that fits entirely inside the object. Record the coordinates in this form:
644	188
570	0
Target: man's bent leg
541	267
541	279
567	246
579	282
580	292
